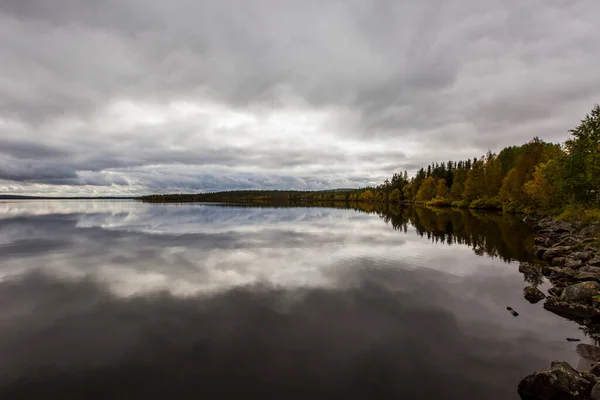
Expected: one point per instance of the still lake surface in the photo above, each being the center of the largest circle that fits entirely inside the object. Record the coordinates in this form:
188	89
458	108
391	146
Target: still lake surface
127	300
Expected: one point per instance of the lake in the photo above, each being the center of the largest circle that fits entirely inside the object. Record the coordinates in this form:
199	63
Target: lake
128	300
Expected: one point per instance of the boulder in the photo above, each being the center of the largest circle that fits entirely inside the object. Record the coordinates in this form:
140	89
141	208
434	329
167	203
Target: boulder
595	393
583	292
589	268
588	276
574	311
556	290
594	262
590	230
570	263
568	240
539	251
580	255
560	382
559	261
533	295
559	273
555	251
590	248
543	241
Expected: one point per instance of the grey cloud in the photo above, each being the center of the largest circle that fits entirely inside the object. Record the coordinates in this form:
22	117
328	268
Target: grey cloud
477	74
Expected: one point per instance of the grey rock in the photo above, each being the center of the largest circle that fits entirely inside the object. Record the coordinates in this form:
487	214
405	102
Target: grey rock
588	276
594	262
543	241
555	251
533	295
591	249
570	263
568	240
560	382
595	393
556	291
580	255
589	268
583	292
559	261
575	311
590	230
557	272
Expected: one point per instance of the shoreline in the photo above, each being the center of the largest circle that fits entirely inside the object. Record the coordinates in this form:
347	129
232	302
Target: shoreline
568	255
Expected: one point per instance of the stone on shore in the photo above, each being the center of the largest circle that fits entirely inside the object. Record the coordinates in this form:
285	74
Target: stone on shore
570	263
594	262
555	251
583	292
560	382
559	261
533	295
590	230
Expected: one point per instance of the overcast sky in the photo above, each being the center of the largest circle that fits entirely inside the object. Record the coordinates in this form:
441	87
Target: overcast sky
144	96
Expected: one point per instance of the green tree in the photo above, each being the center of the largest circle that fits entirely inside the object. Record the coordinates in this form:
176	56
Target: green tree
395	196
475	182
581	175
441	190
367	196
427	190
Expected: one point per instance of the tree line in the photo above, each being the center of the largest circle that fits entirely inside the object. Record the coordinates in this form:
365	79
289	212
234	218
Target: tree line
537	177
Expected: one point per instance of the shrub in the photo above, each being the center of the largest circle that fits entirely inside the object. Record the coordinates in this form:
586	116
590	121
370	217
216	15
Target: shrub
461	204
580	214
486	203
439	202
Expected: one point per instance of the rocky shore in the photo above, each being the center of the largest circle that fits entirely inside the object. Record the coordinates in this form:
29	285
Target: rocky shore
568	255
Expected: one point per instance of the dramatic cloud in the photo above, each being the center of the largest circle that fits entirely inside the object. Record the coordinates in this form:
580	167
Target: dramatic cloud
128	97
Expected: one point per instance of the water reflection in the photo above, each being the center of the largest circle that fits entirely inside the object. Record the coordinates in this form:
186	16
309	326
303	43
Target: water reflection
127	300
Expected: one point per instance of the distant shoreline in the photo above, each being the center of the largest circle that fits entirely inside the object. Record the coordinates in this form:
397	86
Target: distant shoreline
18	197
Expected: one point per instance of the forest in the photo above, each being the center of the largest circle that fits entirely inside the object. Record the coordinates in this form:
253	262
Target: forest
536	177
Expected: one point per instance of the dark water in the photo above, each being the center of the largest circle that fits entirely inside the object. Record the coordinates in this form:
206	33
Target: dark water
124	300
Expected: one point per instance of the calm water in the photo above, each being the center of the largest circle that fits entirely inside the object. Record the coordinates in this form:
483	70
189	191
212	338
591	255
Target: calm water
122	300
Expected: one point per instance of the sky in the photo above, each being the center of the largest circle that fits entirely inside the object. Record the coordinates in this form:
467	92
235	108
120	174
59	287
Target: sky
128	97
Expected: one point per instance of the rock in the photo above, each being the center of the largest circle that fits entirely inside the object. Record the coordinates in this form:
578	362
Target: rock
533	295
594	262
570	263
588	276
539	251
559	273
583	292
595	393
575	311
559	261
556	291
595	370
542	241
560	382
590	248
589	268
543	223
590	230
568	240
580	255
555	251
